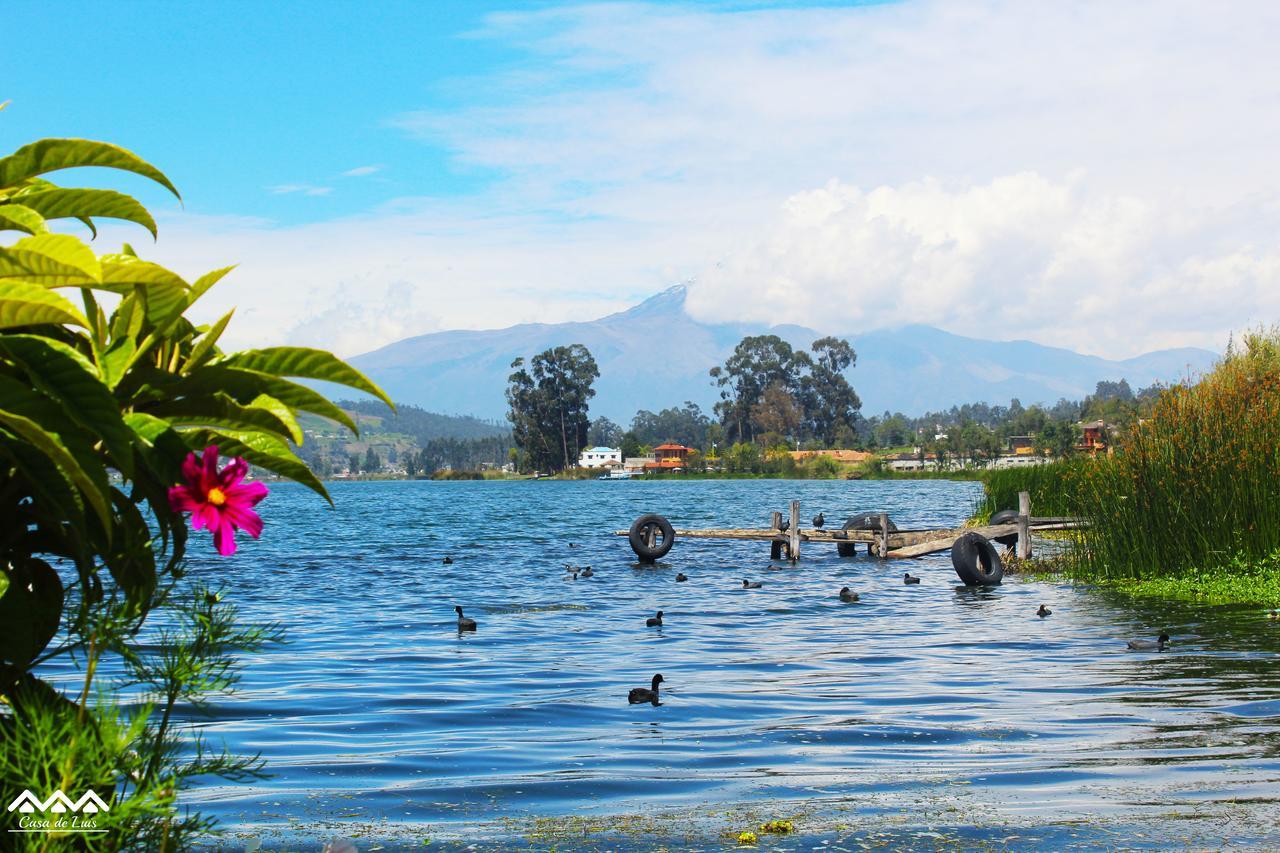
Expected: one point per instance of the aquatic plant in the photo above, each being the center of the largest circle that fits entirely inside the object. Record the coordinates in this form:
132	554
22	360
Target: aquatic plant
103	401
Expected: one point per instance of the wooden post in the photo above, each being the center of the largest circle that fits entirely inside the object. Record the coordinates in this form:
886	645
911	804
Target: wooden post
775	547
884	535
1024	525
793	544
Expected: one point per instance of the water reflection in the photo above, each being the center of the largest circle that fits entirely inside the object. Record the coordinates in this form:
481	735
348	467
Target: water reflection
379	706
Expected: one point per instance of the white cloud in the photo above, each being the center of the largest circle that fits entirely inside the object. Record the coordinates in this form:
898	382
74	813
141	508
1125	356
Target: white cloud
304	189
1095	174
1019	256
362	171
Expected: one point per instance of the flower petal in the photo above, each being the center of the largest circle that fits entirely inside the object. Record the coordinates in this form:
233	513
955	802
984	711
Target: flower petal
206	515
191	470
247	494
181	499
233	473
209	477
243	518
224	537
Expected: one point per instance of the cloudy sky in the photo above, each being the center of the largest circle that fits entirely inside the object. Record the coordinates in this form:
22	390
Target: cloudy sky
1096	175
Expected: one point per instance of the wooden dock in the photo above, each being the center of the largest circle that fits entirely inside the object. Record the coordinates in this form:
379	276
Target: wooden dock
785	541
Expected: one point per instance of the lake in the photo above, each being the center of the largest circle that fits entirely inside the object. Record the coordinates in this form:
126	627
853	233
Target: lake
921	716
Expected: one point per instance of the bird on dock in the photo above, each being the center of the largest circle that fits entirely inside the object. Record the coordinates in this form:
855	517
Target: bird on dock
847	594
464	624
681	577
746	584
586	572
785	525
907	577
654	621
819	520
448	561
1043	611
1157	644
639	695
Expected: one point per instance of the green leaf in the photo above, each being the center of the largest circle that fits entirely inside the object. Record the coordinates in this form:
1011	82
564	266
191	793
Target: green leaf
218	411
246	385
261	450
204	282
115	358
19	217
204	346
52	446
69	377
81	204
307	364
23	304
164	292
284	413
30	610
54	260
49	155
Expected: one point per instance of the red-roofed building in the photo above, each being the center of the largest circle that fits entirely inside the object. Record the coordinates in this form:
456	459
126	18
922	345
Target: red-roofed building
669	457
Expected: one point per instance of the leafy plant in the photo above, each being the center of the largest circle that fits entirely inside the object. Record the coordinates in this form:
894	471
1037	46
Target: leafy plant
106	385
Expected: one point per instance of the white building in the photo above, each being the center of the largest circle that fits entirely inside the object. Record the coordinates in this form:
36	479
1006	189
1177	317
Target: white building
600	457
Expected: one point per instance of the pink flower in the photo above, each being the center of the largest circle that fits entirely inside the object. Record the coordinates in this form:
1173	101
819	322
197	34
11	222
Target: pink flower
217	499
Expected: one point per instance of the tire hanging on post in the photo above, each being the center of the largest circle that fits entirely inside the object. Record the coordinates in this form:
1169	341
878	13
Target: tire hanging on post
863	521
643	537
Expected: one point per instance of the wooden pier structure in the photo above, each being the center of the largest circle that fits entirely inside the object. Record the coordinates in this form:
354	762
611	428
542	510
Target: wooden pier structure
884	542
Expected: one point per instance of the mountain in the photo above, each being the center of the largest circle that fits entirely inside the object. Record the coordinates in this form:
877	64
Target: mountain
655	355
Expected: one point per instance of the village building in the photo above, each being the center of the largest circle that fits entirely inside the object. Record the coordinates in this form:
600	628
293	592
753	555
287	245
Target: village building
600	457
669	457
849	456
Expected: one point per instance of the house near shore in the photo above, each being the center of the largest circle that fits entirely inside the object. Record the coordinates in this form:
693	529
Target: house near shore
638	464
1022	445
1094	437
669	457
600	457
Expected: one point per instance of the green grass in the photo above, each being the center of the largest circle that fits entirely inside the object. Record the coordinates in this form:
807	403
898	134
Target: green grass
1050	487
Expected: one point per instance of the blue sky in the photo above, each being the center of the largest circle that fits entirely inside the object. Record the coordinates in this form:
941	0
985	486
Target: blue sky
1079	174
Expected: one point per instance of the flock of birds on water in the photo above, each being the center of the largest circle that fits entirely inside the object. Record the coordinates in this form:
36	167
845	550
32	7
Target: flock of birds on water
642	695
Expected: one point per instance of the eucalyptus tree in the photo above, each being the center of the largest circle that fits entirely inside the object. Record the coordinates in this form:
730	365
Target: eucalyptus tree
549	403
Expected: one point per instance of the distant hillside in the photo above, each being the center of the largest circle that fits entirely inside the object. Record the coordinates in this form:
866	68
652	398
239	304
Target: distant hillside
419	424
655	355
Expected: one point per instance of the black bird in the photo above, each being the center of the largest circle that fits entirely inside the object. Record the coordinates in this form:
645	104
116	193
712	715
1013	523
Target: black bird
847	594
681	577
785	525
464	624
448	561
907	577
575	577
586	573
639	695
1043	611
746	584
818	520
1150	645
654	621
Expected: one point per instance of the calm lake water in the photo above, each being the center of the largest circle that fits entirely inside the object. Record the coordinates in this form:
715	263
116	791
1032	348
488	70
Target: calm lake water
920	716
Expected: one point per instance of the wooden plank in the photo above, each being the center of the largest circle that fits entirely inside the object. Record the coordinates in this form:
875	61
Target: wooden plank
897	541
884	535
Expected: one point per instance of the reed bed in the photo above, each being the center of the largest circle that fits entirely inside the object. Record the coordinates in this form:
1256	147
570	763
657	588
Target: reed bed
1196	485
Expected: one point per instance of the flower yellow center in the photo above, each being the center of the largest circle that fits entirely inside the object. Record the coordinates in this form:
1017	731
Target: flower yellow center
216	496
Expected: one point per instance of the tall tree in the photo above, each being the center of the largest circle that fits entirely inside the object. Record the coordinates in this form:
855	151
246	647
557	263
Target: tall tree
757	362
604	433
549	403
828	400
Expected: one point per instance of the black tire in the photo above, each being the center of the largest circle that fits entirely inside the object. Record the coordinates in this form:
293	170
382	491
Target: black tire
644	537
1005	516
976	560
868	521
864	521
